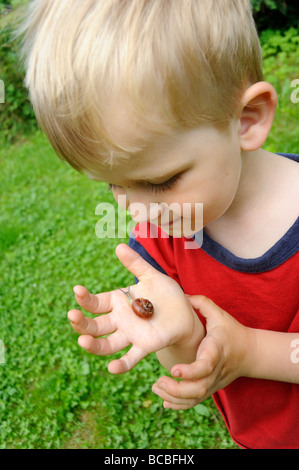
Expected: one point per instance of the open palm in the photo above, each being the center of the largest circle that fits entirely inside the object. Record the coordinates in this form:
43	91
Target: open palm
172	322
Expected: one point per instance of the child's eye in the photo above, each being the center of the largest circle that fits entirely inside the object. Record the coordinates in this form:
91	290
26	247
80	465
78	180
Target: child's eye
111	187
161	187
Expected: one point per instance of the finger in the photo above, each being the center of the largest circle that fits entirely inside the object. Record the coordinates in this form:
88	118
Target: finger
99	303
206	306
103	346
178	392
208	357
167	397
88	326
133	262
187	402
208	309
127	362
175	406
199	369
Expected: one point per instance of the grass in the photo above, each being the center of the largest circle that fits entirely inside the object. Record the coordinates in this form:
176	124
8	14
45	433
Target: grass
53	394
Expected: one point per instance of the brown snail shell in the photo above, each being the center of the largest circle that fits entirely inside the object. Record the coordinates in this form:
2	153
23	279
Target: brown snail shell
143	308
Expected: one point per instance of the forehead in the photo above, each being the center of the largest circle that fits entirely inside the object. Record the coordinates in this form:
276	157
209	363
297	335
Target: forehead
133	127
139	145
145	152
153	159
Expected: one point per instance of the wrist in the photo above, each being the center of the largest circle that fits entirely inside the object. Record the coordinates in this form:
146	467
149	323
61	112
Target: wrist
270	356
184	349
249	342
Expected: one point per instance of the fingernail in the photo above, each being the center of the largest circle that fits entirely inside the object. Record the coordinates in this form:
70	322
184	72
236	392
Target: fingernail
79	294
69	319
176	373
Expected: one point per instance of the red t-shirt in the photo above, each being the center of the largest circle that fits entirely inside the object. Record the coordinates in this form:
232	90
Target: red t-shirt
260	293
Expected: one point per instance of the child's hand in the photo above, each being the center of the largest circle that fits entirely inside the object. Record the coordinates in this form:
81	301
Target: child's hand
221	358
173	321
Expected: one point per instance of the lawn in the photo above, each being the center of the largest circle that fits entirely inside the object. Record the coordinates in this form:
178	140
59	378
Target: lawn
53	394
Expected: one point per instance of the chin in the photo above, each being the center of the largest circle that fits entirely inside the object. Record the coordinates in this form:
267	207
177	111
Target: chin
182	228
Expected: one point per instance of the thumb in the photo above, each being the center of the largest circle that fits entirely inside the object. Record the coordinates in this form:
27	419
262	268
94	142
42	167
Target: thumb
206	306
133	262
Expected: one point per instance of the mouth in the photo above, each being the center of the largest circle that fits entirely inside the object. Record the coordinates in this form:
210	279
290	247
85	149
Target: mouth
169	223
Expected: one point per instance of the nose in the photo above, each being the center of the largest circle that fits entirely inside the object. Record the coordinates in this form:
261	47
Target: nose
140	208
143	212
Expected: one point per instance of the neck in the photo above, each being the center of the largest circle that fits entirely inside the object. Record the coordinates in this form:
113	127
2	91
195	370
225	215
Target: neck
251	192
253	185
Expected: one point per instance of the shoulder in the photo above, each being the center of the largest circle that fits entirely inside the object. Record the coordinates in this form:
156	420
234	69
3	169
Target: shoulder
288	175
290	156
268	210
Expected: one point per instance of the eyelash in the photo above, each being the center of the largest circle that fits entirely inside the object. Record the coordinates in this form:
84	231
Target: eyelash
156	188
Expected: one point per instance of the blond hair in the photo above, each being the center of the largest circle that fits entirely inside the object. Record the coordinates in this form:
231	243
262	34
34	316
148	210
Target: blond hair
187	60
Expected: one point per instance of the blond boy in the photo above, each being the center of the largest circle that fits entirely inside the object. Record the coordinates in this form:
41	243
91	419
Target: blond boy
165	101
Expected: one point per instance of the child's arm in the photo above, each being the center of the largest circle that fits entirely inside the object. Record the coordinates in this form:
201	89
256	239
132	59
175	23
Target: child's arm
229	350
173	325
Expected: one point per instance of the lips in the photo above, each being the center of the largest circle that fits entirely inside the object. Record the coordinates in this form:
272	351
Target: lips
169	223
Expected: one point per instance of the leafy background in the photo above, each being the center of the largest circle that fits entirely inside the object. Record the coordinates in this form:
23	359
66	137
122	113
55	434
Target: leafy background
52	393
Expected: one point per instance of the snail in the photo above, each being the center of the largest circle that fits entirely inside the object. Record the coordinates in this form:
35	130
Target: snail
143	308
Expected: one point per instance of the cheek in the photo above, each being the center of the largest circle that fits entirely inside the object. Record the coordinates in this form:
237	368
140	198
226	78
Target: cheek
221	194
231	180
121	198
215	192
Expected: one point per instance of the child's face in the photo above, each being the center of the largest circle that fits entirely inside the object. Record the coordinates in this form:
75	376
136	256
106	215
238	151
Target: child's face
200	165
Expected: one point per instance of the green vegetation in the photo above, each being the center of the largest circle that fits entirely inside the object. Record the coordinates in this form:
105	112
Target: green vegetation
281	69
16	115
53	394
275	14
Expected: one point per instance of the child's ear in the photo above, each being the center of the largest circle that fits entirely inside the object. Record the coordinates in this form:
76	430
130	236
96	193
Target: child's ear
259	104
